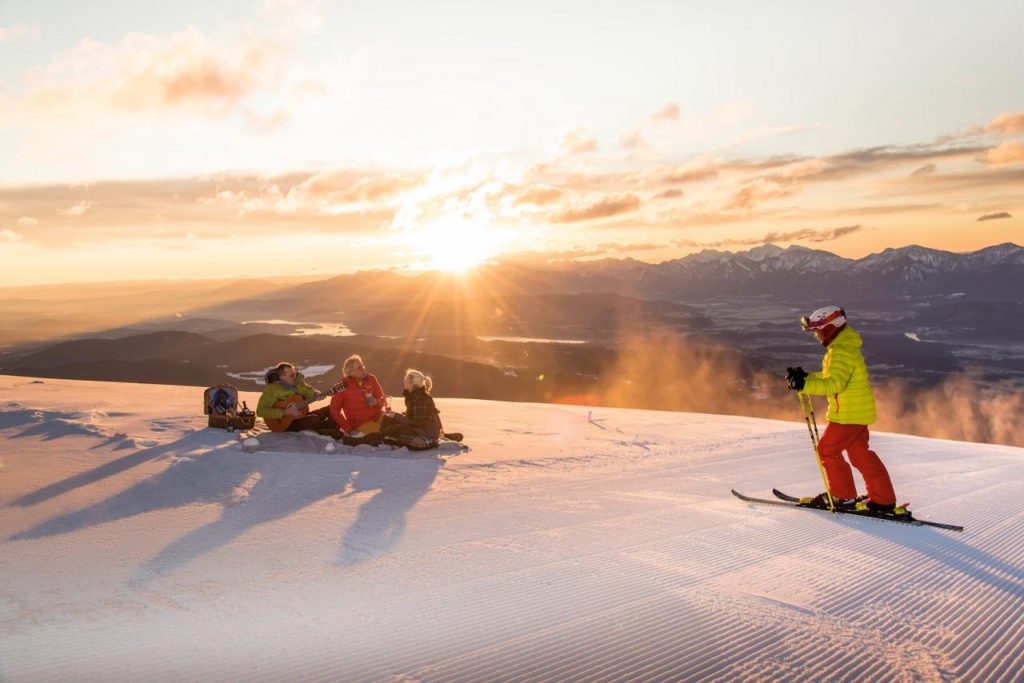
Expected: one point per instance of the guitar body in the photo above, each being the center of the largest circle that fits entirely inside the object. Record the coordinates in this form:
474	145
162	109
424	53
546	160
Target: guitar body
282	424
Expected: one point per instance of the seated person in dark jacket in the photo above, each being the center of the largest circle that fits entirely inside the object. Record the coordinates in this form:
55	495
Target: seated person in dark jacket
419	428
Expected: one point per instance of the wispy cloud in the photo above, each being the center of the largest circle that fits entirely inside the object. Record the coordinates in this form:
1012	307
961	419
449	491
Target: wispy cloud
602	195
602	208
804	235
993	216
759	191
1006	124
670	112
19	32
207	207
189	71
537	195
605	249
76	210
635	139
578	141
326	192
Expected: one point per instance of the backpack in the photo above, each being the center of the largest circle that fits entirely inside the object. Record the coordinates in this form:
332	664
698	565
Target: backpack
220	402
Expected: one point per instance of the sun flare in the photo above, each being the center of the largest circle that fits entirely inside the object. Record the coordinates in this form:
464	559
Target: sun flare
456	245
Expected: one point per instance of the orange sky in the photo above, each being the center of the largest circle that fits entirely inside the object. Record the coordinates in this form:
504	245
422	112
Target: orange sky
295	138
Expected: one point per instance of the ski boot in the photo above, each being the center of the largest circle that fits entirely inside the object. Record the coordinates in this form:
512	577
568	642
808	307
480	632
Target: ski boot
891	510
820	501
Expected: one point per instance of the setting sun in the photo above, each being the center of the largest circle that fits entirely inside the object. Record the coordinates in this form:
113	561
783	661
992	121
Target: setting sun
456	245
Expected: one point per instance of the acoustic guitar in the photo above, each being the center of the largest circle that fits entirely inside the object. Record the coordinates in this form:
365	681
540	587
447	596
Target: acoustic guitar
281	424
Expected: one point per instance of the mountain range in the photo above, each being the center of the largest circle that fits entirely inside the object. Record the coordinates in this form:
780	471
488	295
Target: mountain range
926	315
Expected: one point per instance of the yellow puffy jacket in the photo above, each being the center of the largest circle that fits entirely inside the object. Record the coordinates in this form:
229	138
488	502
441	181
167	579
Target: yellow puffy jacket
844	379
276	392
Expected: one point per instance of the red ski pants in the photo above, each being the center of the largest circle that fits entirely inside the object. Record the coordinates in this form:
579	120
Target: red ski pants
854	440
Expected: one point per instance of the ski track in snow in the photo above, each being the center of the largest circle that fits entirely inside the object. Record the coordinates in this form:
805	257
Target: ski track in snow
136	545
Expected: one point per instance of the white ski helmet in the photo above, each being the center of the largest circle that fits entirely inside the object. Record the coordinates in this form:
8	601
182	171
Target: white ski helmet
824	317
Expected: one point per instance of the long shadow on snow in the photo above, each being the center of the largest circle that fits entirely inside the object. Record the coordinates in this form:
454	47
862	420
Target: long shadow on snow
49	425
399	483
948	550
187	444
256	489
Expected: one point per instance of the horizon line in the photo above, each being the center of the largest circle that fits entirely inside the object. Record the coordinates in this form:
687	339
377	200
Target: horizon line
507	258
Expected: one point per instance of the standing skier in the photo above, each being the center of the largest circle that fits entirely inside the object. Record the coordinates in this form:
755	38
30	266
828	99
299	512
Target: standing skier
851	408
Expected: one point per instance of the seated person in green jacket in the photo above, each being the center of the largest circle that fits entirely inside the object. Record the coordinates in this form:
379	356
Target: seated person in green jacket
283	382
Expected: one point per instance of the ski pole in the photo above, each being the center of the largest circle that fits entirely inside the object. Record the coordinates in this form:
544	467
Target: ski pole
817	452
814	422
808	408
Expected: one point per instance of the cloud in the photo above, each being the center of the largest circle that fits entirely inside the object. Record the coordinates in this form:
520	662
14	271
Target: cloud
603	208
576	252
261	124
803	235
993	216
614	193
147	73
758	191
578	141
19	32
9	236
971	185
881	159
801	169
830	234
350	186
1007	123
207	206
76	210
538	195
623	248
633	139
1010	152
189	71
668	113
295	16
326	192
685	174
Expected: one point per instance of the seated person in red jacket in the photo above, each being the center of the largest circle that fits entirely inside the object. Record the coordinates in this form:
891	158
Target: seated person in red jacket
358	407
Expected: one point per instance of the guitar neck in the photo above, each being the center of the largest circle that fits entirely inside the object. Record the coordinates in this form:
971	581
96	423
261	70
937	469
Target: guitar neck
306	402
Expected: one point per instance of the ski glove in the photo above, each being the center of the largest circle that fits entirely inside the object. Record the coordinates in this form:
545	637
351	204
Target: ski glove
795	378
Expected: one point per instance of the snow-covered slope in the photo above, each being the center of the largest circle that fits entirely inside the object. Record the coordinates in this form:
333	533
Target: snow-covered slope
565	545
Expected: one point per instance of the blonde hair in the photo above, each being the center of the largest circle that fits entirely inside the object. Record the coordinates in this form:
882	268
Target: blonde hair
418	379
354	359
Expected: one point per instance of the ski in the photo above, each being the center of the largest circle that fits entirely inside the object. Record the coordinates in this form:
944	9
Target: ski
779	494
789	501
